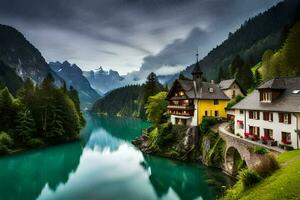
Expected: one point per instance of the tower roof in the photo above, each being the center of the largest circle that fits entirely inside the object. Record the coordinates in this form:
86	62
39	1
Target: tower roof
197	68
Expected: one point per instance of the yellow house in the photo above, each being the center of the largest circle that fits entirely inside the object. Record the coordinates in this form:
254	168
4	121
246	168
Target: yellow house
192	100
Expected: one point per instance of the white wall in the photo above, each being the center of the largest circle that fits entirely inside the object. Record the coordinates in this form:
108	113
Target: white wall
234	87
188	119
195	118
274	125
240	117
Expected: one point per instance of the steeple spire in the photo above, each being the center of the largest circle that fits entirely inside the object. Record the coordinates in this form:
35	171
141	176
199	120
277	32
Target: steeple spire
197	73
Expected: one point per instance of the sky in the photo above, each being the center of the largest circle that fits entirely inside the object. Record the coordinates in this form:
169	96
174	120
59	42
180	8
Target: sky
128	35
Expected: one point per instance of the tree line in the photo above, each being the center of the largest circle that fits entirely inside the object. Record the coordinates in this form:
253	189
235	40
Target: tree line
283	62
38	115
129	101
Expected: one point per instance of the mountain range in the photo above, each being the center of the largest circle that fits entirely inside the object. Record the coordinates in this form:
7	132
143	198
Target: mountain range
73	76
20	60
104	81
20	55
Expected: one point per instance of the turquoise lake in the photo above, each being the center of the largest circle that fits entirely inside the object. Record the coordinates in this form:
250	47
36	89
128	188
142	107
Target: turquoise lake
104	165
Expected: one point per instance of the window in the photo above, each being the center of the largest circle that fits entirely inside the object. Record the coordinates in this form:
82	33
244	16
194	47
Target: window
181	93
266	97
268	116
268	134
175	102
216	113
240	124
284	118
233	93
241	112
250	114
211	90
186	102
254	115
286	138
206	113
254	130
216	102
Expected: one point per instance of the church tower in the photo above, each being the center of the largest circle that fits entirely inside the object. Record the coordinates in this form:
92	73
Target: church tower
197	73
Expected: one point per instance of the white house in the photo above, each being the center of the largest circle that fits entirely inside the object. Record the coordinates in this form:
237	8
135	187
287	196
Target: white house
271	114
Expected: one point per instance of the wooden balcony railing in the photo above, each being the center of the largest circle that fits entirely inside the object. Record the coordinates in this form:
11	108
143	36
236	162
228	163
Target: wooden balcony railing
181	107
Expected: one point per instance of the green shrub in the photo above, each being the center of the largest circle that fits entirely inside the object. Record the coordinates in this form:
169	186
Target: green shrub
35	143
165	134
6	140
234	101
267	165
249	177
260	150
207	122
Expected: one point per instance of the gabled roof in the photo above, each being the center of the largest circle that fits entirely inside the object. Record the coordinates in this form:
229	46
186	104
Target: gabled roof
225	84
276	83
289	101
200	90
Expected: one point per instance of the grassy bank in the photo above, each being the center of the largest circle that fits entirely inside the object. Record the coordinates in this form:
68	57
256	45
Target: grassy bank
283	184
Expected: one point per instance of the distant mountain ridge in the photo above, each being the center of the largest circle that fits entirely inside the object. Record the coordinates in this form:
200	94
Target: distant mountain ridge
104	81
19	54
9	78
73	76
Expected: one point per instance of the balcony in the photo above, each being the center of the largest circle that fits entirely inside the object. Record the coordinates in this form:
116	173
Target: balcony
181	107
178	112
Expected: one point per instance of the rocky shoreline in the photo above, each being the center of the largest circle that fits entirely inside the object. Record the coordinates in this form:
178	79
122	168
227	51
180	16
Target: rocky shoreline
192	146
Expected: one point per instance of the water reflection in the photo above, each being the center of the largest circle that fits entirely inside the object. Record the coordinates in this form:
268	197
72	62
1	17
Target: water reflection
188	181
24	176
108	167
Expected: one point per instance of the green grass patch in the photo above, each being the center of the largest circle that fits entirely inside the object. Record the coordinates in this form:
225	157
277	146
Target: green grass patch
282	184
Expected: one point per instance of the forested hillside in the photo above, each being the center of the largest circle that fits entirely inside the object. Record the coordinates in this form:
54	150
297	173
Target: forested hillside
73	76
258	34
20	55
38	116
284	62
9	78
128	101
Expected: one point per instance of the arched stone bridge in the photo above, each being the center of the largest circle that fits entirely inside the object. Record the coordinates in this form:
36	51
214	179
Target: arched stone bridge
242	147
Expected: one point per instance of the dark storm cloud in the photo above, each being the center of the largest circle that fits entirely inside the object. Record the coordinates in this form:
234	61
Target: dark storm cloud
132	29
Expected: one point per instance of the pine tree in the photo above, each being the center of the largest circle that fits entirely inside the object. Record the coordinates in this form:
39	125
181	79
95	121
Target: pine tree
56	129
257	78
242	73
26	93
7	110
221	75
25	125
73	94
236	64
151	87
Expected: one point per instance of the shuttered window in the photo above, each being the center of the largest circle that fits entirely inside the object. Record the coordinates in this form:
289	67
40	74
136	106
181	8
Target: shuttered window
285	118
268	116
250	114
